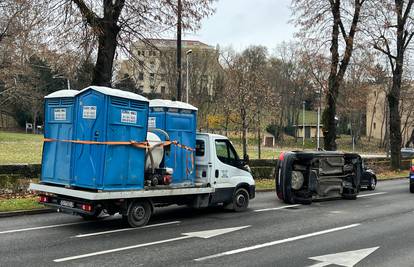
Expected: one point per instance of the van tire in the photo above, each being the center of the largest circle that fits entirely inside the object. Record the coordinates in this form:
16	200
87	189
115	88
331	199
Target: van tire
372	183
240	200
138	214
411	187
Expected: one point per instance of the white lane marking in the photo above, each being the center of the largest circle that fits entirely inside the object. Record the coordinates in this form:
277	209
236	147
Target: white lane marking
127	229
120	249
41	227
277	208
277	242
373	194
199	234
346	259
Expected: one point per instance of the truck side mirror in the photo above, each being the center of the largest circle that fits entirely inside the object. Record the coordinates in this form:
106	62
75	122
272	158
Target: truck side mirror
246	159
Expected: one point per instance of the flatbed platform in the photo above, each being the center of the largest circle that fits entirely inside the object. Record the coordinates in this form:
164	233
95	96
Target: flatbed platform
120	194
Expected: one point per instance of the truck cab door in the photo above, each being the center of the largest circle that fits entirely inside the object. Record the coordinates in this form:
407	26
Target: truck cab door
228	168
203	161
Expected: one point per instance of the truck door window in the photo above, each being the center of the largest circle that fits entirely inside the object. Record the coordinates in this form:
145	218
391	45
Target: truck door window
200	148
226	153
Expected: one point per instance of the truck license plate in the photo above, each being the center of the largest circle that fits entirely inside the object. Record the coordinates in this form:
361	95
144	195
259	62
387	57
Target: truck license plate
66	203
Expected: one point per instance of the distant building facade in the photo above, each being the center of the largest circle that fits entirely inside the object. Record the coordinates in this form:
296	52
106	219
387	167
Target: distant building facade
152	66
378	113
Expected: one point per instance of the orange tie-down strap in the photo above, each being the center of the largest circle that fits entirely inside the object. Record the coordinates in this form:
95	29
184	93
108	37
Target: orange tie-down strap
144	145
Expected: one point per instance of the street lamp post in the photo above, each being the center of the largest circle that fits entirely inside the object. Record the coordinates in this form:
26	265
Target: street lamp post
319	120
303	125
188	85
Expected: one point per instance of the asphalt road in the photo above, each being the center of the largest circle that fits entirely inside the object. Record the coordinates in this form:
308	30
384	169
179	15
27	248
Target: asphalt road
374	230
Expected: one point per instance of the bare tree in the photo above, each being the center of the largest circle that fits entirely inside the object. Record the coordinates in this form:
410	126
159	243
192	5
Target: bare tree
392	29
341	17
117	23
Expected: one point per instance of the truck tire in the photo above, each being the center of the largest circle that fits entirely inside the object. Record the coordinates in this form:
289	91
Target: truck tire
138	214
240	200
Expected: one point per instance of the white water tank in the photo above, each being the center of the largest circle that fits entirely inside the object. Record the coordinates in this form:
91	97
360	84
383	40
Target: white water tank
157	152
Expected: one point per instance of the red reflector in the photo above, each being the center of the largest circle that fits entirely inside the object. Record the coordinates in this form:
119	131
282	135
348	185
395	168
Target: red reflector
282	156
412	169
43	199
87	207
167	179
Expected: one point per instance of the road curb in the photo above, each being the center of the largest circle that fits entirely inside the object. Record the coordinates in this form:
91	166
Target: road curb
25	212
392	178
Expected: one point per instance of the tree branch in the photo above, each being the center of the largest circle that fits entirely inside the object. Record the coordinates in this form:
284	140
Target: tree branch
90	16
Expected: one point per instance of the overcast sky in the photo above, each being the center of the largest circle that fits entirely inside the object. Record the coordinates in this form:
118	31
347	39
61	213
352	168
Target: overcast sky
241	23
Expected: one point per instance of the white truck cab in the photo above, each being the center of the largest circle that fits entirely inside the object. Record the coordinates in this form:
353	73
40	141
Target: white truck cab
219	166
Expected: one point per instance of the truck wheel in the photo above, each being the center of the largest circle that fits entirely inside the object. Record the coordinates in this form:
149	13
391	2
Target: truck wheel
240	200
372	183
139	213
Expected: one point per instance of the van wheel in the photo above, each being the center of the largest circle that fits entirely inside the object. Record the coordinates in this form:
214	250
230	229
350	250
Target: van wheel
411	187
372	183
138	214
240	200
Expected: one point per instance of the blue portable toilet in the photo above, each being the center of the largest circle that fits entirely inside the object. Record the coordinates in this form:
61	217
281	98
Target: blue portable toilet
179	120
59	112
109	115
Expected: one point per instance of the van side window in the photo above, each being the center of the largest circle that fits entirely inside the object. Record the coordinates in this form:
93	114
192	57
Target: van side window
226	153
200	148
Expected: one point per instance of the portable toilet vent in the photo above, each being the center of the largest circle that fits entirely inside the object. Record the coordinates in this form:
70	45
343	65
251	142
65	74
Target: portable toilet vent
179	120
109	115
59	125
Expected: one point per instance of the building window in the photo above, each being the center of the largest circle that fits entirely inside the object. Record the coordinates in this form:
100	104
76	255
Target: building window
375	125
162	89
375	93
141	76
152	88
152	75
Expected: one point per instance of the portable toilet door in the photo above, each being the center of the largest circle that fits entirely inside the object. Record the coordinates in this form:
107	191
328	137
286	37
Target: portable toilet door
109	115
90	126
179	120
59	125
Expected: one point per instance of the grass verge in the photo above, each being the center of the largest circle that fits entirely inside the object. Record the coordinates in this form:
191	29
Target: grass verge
20	148
263	184
15	204
389	175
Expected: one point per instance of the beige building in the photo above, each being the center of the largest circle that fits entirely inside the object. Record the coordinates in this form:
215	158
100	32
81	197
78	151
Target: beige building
377	113
153	66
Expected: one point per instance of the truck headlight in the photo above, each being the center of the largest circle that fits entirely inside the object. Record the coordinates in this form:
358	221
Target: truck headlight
297	180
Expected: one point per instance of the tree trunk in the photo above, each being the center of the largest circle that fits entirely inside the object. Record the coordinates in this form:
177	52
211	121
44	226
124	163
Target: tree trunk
372	116
258	136
395	124
107	42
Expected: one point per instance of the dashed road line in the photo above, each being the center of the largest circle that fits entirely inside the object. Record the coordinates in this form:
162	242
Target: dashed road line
127	229
277	242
